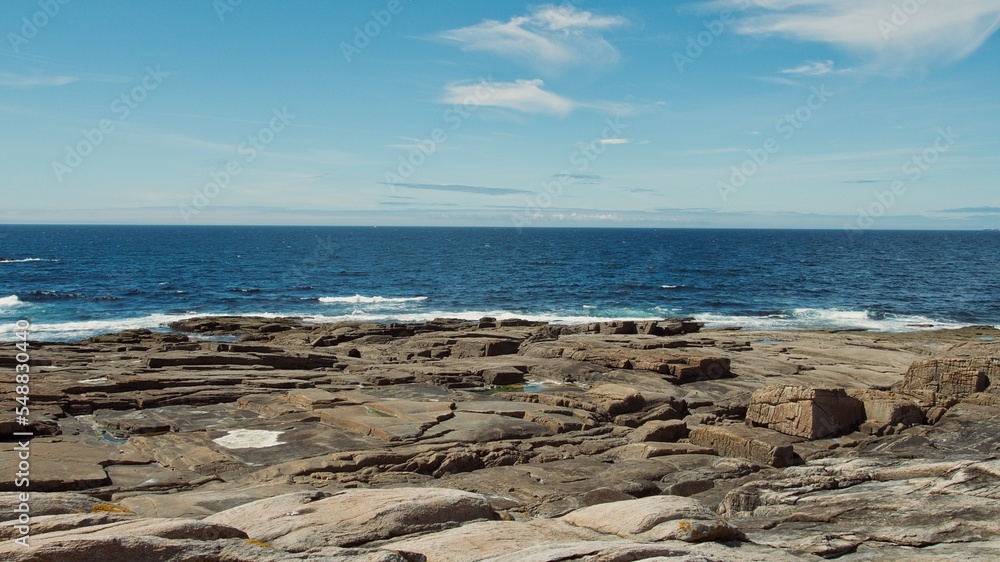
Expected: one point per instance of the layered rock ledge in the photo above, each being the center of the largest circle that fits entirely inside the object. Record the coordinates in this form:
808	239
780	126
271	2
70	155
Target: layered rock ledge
270	439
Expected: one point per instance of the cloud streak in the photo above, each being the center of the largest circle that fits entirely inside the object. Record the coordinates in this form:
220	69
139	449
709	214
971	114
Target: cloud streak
547	39
20	81
879	30
812	68
529	96
526	96
479	190
977	210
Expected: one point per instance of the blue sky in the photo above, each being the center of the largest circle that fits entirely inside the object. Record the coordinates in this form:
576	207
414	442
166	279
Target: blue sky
770	113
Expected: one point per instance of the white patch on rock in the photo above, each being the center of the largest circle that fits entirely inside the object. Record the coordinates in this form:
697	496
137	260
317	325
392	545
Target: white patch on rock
250	439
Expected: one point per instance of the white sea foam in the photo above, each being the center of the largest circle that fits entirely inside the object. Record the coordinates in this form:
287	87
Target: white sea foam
825	319
361	299
10	302
67	331
471	315
796	319
23	260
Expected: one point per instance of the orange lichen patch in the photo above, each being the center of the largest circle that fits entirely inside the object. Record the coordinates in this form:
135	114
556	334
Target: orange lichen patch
258	543
109	508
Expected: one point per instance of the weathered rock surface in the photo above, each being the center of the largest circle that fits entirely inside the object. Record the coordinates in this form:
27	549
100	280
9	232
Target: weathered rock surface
756	444
655	519
509	441
805	412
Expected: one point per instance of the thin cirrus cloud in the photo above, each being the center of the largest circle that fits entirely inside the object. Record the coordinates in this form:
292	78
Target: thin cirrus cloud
879	30
11	80
548	38
479	190
526	96
813	68
966	210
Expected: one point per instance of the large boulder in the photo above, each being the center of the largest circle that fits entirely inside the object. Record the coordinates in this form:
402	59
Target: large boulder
945	380
812	413
887	412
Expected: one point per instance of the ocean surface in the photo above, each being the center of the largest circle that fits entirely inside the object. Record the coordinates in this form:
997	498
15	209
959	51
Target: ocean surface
72	282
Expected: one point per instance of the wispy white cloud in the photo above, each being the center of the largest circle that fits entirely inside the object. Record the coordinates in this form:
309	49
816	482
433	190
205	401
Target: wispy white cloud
615	141
527	96
11	80
547	39
813	68
887	35
522	95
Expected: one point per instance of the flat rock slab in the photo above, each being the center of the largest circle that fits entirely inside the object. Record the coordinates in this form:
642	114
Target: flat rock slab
291	441
919	503
206	500
651	450
467	427
655	519
299	522
58	465
756	444
369	420
492	538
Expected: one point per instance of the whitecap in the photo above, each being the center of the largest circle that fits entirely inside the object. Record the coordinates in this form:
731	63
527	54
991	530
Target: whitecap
827	319
361	299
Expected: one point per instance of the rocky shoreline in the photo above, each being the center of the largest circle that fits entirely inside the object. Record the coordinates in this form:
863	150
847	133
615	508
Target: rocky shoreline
246	439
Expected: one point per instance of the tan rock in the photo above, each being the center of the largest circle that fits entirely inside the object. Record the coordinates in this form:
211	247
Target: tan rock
756	444
651	450
614	399
312	398
655	519
487	539
952	378
885	410
812	413
668	431
302	521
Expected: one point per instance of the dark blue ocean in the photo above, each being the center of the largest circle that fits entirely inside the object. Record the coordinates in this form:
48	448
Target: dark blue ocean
76	281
